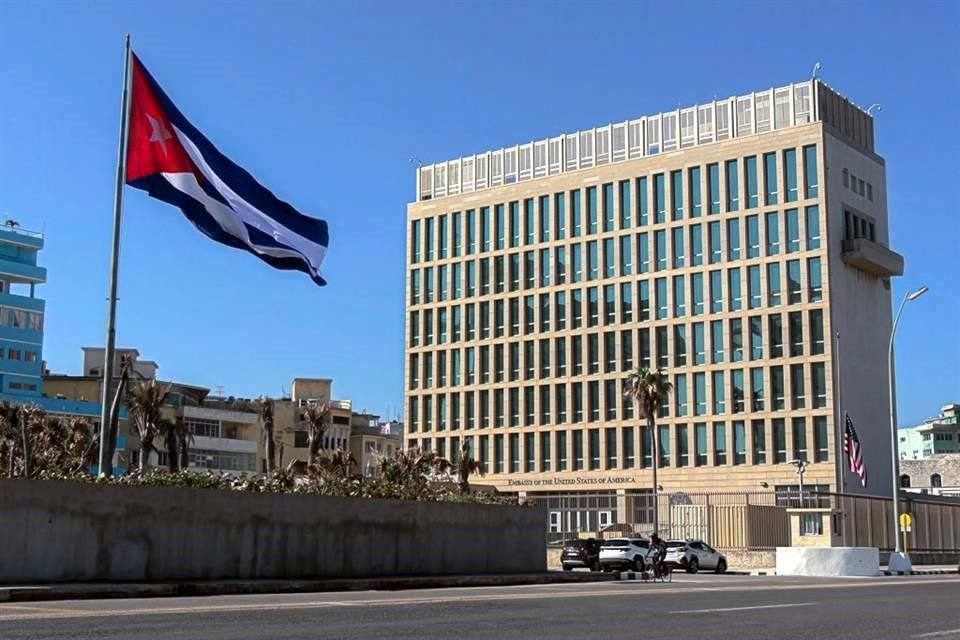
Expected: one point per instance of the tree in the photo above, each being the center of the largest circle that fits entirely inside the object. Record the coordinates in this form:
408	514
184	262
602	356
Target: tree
465	467
408	472
648	389
317	418
146	399
10	428
106	453
269	445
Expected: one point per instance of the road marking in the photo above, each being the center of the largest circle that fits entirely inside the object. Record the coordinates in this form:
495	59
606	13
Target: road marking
939	634
761	606
460	599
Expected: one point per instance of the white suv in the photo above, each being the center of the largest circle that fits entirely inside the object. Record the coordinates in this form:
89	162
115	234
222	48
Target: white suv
693	555
624	553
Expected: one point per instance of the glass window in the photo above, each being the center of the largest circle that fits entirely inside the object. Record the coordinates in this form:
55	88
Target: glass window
642	201
753	236
750	169
793	282
736	340
608	207
716	254
696	245
442	232
499	226
457	234
576	226
696	201
818	382
699	348
733	239
773	284
812	219
719	443
810	177
679	297
593	267
629	460
696	284
773	233
593	393
680	394
736	391
678	253
660	249
716	291
626	260
415	241
821	448
659	197
643	296
663	442
770	178
795	325
591	210
683	446
560	212
719	393
661	292
514	224
644	339
609	259
679	345
544	218
815	290
643	253
676	194
739	442
733	283
777	388
756	338
790	171
797	391
733	189
625	204
713	187
779	440
793	231
529	222
663	360
646	445
428	238
756	389
799	428
626	356
753	287
816	331
759	442
699	394
700	437
716	342
776	336
609	304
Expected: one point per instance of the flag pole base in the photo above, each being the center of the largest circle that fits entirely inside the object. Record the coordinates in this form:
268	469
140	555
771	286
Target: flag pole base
899	563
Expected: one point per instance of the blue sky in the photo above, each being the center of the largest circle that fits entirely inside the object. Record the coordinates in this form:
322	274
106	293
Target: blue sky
325	103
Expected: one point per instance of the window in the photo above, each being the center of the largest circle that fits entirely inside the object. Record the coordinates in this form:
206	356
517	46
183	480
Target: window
661	295
793	282
736	340
810	176
626	356
793	231
442	233
700	443
736	391
415	241
699	394
816	331
716	291
818	382
561	216
626	258
733	192
759	442
576	227
756	337
820	447
696	245
815	284
719	393
904	481
770	178
680	394
561	441
795	325
775	327
610	435
797	390
663	444
719	443
594	449
753	236
779	440
773	233
680	345
936	480
696	201
750	169
739	442
642	201
699	349
660	250
591	210
659	197
679	297
716	342
683	446
514	452
713	187
777	388
676	195
733	281
609	259
696	284
790	174
662	353
714	233
593	268
799	428
608	207
609	352
625	204
753	287
629	460
811	524
593	353
677	247
812	216
773	284
528	264
733	239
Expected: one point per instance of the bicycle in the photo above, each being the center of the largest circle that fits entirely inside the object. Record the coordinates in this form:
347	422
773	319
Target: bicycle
657	570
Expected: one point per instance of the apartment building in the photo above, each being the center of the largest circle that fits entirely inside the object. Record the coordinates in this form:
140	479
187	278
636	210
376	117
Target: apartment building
940	434
733	244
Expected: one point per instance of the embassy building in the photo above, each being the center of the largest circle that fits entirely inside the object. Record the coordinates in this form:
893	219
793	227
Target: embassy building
741	246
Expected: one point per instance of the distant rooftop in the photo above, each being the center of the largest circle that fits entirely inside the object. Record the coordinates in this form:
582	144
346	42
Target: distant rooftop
739	116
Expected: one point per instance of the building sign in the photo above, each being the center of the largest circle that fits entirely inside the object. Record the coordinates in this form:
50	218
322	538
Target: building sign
576	481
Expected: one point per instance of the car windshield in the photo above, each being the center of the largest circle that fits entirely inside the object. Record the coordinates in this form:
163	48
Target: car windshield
676	545
616	542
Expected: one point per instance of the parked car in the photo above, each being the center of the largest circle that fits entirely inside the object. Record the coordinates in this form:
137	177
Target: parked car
693	555
581	553
624	553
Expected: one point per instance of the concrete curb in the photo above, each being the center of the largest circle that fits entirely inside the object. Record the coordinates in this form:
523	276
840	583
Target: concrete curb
93	591
936	572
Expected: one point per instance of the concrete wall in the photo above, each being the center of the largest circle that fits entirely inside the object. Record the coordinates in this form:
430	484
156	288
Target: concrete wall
64	531
828	561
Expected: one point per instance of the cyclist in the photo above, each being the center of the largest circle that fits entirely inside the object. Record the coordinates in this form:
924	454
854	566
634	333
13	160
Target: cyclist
657	554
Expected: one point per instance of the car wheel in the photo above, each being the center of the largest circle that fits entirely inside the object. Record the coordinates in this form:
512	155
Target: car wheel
722	566
638	564
694	566
567	567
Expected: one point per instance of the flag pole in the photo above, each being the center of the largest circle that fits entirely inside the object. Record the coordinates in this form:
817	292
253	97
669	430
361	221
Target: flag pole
841	428
107	442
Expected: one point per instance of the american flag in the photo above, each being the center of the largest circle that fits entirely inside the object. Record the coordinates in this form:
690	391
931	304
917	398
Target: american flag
851	447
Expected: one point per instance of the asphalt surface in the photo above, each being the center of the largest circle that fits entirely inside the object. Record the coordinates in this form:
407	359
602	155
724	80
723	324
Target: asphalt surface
691	607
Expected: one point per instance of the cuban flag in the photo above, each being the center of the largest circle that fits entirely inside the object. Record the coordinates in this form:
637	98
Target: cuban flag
169	159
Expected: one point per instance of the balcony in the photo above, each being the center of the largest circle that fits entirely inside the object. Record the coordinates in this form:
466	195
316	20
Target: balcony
20	272
13	234
872	258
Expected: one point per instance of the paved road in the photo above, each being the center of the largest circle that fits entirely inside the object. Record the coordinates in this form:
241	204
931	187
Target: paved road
692	607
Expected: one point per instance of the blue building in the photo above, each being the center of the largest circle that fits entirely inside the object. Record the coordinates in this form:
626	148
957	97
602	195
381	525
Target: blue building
21	326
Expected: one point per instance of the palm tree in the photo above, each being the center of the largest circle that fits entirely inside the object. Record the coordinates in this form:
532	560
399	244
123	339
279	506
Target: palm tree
317	417
168	429
648	389
269	446
146	399
10	428
466	466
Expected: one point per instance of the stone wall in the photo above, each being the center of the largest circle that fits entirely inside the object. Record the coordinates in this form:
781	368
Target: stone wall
920	471
64	531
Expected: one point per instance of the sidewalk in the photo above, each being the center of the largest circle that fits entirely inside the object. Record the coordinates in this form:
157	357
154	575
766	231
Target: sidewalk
919	570
102	590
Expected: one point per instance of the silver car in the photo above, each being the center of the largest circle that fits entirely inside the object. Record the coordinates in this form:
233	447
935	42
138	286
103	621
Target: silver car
693	555
624	553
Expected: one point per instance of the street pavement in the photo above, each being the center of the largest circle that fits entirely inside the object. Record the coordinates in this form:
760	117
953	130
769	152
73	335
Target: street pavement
691	607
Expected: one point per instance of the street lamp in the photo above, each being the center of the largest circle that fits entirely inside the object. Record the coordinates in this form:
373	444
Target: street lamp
899	561
801	466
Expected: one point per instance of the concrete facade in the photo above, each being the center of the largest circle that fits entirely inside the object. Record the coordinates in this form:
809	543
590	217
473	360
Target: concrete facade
82	532
721	261
940	434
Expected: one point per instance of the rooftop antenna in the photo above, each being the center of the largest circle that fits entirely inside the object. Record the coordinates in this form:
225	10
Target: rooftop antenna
875	105
816	67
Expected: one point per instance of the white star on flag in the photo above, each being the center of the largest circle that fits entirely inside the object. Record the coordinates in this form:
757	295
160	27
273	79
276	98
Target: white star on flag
159	134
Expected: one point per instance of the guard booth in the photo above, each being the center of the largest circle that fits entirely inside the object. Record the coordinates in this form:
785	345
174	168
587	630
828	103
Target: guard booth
815	527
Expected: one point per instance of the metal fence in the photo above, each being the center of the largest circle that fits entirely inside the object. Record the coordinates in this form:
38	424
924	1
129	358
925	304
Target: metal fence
747	521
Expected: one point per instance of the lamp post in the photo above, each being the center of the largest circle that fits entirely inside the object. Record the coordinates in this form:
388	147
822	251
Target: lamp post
801	466
899	561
